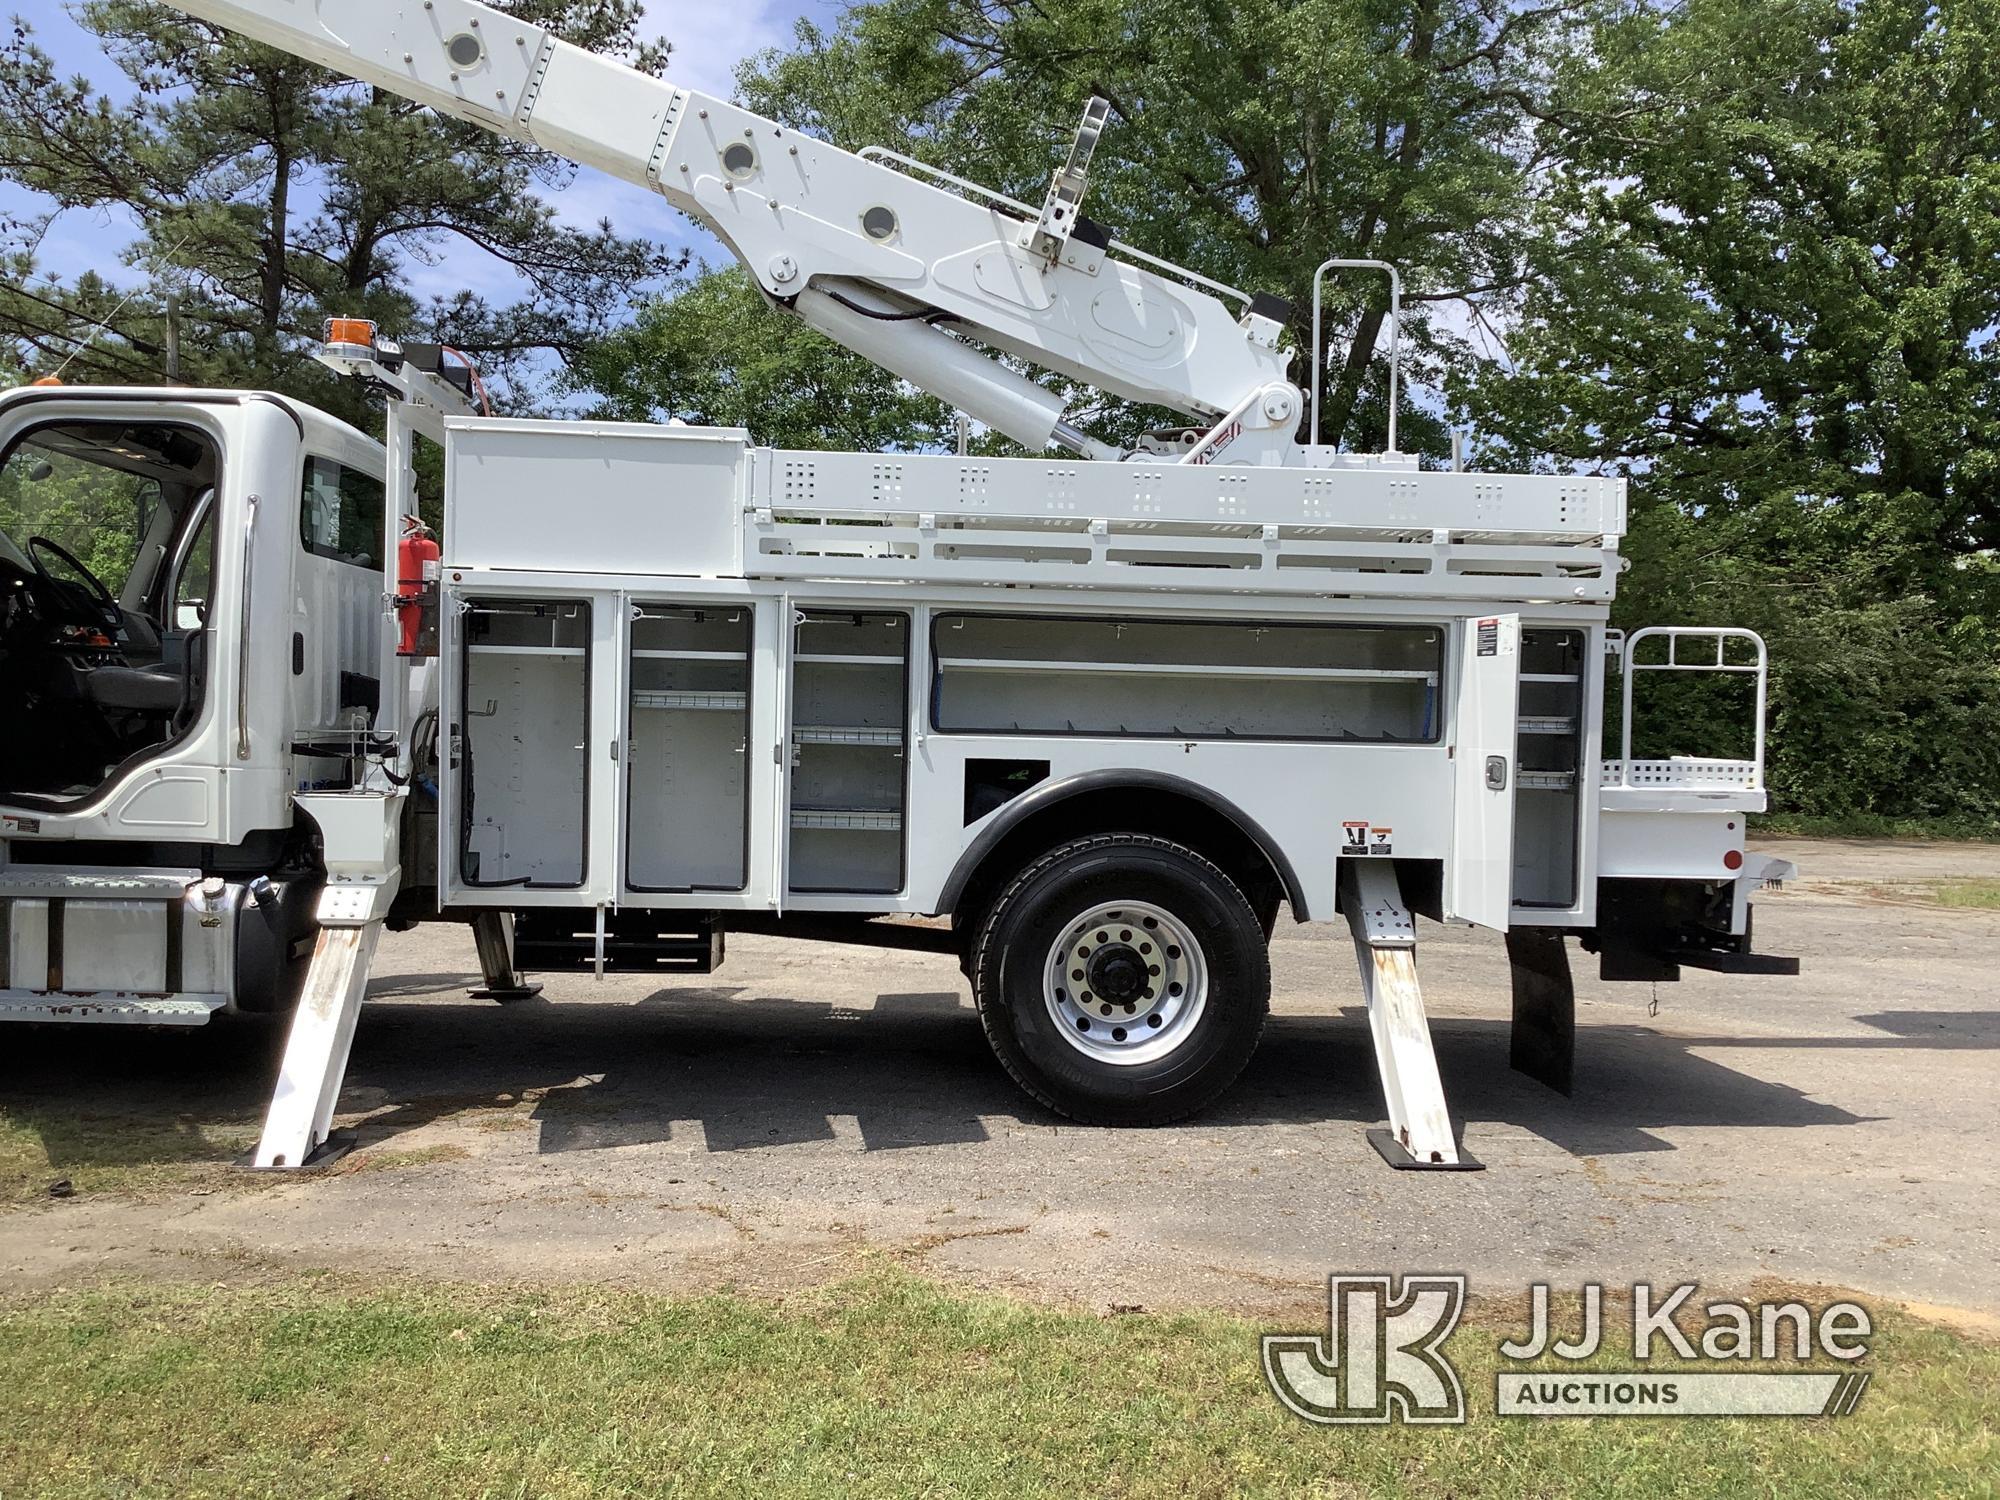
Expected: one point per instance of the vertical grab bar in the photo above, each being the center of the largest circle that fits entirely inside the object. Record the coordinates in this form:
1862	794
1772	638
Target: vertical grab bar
1395	334
243	631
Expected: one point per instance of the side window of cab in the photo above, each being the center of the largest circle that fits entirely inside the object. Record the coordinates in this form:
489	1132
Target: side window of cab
340	513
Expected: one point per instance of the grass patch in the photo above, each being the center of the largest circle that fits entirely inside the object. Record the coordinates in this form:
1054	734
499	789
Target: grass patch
123	1154
1983	895
398	1161
1965	895
882	1386
1871	826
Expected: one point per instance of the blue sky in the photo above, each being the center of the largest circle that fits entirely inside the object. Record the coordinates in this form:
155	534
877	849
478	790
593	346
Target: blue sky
709	40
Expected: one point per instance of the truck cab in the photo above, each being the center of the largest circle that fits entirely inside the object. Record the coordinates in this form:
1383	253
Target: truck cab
190	604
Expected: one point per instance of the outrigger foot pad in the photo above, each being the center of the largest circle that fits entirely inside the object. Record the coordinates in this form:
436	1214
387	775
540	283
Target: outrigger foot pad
1398	1156
506	994
325	1154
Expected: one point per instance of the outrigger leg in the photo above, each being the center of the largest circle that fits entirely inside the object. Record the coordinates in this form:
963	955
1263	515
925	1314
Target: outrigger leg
358	838
493	935
1385	944
300	1119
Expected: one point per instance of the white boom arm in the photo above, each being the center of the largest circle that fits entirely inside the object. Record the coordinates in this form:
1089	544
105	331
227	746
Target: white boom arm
872	257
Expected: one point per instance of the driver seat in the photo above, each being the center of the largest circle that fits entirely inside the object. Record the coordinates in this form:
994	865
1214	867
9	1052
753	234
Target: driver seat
155	691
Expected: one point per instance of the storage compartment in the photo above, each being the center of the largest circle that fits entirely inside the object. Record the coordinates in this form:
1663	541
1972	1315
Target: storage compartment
1186	679
524	743
687	812
1548	760
850	720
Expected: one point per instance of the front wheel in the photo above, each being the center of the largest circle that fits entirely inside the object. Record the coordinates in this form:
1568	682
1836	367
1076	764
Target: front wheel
1122	980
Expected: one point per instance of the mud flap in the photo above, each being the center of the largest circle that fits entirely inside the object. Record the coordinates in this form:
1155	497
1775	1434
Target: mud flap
1543	1044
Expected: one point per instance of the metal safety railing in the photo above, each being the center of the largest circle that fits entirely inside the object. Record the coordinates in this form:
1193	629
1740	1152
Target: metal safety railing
1691	772
1395	334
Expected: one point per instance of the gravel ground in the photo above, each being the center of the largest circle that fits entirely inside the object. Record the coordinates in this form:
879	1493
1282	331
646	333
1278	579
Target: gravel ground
809	1105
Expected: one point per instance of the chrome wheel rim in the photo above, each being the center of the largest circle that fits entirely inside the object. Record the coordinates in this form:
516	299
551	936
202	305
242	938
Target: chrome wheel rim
1125	983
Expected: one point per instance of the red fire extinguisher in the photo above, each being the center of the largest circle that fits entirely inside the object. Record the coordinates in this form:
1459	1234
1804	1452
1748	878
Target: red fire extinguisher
412	553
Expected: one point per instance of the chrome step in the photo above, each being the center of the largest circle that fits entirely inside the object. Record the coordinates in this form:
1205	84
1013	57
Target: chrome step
62	883
109	1007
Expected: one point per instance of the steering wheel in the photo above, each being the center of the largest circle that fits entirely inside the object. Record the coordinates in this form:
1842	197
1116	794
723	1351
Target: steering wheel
108	614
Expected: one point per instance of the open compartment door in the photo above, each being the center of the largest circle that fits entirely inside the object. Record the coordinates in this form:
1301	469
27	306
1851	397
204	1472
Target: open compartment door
1479	876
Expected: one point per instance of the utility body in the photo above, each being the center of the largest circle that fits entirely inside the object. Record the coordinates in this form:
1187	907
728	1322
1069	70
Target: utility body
1111	714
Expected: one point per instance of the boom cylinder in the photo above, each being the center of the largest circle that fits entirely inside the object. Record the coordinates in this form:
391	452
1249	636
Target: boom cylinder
948	368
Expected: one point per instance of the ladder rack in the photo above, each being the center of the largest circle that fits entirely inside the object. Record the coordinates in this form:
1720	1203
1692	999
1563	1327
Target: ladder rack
1380	530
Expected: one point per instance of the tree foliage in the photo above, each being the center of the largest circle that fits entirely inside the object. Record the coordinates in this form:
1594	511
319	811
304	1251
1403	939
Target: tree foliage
1766	284
271	192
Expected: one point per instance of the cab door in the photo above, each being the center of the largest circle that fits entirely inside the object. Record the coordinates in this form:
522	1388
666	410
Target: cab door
1479	875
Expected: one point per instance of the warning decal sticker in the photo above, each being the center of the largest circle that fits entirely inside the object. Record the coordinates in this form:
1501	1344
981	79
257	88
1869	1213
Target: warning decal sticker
1363	837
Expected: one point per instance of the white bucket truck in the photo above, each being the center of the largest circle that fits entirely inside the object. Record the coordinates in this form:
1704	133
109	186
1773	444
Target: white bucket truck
1111	713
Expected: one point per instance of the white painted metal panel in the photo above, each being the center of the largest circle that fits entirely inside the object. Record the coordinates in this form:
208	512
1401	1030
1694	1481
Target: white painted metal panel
594	496
1479	873
336	615
1686	844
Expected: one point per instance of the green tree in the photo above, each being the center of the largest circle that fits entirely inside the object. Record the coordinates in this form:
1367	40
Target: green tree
712	352
1249	140
272	192
1768	277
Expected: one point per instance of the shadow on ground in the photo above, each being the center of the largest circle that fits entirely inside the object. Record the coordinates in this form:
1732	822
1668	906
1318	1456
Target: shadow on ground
913	1070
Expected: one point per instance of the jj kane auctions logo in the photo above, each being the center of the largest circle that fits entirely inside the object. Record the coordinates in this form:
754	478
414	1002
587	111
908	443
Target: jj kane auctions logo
1382	1357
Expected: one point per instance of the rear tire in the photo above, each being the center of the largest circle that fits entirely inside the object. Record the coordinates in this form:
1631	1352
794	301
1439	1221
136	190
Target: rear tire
1122	980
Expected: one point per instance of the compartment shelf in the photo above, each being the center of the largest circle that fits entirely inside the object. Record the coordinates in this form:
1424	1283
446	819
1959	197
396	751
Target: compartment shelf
1548	724
864	819
649	655
1549	677
1546	781
479	649
1185	669
673	698
838	734
823	660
